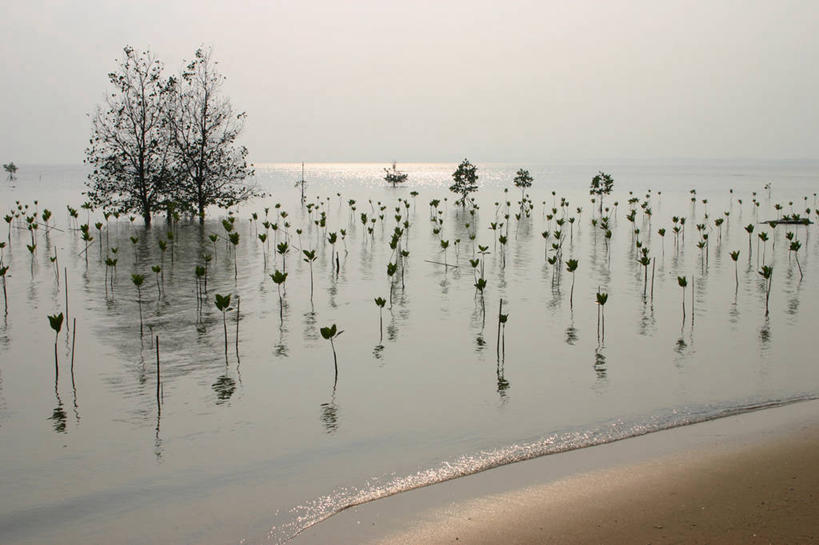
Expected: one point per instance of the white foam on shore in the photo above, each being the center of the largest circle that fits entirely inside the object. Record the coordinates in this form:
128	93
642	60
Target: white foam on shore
315	511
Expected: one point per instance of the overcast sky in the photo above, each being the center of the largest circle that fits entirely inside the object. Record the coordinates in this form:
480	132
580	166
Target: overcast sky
377	80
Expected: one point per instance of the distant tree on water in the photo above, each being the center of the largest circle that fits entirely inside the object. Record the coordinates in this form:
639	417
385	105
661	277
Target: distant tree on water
465	180
394	176
209	168
523	180
129	150
11	170
602	184
160	144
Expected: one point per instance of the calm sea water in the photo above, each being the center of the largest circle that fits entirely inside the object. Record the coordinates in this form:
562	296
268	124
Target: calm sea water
254	448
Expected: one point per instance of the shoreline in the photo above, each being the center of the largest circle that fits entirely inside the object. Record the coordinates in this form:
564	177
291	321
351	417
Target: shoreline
744	478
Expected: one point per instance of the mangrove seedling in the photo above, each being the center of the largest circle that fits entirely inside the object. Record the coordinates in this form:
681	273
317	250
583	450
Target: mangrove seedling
391	269
601	297
794	247
110	263
332	238
213	238
480	285
56	323
749	229
764	238
157	269
645	261
138	279
474	263
683	283
766	272
330	333
222	303
263	239
735	257
199	276
163	245
380	302
234	239
134	240
444	246
282	248
502	318
279	278
571	266
87	238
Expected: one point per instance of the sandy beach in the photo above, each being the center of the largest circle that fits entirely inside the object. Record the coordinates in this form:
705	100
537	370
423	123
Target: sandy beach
751	478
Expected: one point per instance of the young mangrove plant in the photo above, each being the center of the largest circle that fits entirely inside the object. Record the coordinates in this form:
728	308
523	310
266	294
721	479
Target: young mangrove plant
56	323
735	257
380	302
134	241
213	238
571	266
763	237
503	240
3	270
234	239
87	238
502	318
480	286
766	272
330	333
199	276
282	248
444	246
309	257
332	238
222	303
137	280
163	246
391	269
645	261
601	297
263	240
157	270
683	283
279	278
750	230
794	247
110	263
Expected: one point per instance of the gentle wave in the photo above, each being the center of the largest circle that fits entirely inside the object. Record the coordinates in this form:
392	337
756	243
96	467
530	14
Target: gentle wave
320	509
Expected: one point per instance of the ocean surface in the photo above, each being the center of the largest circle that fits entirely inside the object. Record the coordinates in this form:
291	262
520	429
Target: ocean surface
256	445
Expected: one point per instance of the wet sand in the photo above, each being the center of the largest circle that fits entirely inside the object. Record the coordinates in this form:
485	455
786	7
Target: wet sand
751	478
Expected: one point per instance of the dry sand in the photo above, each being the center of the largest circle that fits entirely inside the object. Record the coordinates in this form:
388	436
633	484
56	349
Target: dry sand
752	478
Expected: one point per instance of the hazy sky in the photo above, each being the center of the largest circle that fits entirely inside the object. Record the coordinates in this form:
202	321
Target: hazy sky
377	80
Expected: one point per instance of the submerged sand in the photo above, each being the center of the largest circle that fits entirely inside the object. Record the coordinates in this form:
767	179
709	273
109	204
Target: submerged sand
752	478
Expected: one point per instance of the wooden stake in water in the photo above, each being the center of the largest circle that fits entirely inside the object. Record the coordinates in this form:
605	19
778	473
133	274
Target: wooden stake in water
73	382
692	300
500	311
65	281
73	344
653	264
158	378
237	328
